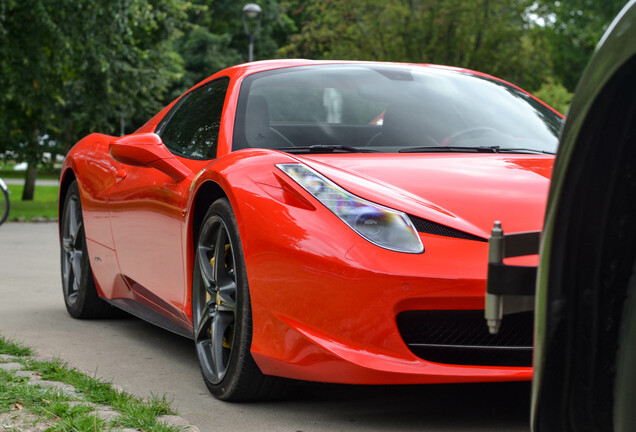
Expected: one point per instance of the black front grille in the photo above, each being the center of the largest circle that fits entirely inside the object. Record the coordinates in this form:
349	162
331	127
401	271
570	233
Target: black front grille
428	227
461	337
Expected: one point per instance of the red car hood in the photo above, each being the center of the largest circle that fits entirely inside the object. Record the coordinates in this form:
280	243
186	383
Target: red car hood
463	191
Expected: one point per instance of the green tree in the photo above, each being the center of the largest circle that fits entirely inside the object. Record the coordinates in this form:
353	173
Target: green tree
213	38
492	36
572	29
70	67
31	75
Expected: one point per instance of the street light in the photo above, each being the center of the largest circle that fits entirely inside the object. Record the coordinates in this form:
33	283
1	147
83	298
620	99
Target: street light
251	12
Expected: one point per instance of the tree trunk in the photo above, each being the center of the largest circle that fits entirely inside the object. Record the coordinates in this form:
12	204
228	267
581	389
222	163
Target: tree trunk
29	182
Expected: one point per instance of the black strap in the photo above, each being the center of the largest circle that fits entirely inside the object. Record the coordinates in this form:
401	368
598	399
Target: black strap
511	280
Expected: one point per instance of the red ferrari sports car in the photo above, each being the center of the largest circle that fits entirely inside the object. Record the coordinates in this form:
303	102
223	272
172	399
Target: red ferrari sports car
322	221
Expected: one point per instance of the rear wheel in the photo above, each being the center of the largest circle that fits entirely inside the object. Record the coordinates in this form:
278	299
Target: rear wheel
80	293
221	311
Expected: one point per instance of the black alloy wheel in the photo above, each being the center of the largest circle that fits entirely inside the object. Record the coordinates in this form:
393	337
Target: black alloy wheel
78	285
216	299
221	311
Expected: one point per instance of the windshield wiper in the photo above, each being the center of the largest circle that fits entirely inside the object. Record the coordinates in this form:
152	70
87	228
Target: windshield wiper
448	149
325	148
524	150
479	149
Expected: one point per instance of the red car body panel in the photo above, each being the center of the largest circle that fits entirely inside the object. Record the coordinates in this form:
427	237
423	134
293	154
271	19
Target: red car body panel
324	300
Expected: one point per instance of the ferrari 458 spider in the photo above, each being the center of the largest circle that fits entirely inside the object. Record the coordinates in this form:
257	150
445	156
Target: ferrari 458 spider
322	221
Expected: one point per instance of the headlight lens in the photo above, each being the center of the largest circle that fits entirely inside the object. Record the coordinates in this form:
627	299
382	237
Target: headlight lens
382	226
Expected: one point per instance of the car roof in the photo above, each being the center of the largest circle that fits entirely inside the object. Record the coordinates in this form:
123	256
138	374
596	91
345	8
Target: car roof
266	65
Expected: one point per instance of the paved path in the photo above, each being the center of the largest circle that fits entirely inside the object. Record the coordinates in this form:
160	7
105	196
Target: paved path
144	360
43	182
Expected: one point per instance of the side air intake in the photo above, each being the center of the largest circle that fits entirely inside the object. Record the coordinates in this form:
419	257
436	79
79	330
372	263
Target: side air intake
428	227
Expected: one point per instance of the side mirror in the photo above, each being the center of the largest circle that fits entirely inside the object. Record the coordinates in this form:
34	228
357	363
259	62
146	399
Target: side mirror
147	150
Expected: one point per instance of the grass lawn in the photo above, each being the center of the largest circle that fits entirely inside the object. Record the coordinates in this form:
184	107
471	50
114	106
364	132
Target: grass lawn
42	175
7	171
44	204
57	411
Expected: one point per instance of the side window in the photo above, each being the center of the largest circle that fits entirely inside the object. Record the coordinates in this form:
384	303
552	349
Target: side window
192	130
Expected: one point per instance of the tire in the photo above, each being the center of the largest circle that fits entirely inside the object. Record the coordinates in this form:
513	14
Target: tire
78	285
4	205
625	380
221	312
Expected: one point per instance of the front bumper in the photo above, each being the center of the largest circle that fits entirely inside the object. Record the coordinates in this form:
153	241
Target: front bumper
323	312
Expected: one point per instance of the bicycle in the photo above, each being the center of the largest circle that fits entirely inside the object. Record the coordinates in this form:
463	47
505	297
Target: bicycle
4	202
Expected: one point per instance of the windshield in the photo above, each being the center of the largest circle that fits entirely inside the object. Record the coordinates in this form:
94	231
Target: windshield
389	109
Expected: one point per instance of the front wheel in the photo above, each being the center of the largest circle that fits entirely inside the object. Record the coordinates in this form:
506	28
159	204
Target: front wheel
221	311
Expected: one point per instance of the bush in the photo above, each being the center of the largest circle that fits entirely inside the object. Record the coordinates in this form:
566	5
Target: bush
555	95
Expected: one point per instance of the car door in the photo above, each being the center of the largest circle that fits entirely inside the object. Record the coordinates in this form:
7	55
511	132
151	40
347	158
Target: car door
147	207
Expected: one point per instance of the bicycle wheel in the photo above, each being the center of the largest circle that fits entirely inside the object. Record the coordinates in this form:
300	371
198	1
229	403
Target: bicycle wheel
4	205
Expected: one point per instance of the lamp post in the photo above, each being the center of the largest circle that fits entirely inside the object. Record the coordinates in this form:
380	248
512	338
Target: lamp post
251	12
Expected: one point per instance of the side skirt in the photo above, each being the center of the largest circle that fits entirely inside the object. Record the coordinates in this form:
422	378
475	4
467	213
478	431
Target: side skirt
147	314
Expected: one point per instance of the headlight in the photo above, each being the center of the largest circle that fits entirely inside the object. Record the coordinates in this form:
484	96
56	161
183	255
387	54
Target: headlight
382	226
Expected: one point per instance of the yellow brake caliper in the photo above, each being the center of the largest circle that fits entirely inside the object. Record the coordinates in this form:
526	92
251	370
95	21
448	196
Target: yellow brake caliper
226	343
